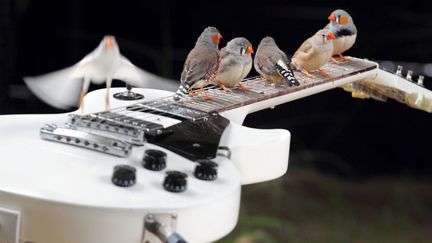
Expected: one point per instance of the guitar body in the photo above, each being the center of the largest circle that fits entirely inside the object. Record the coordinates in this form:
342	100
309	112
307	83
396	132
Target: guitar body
52	192
64	193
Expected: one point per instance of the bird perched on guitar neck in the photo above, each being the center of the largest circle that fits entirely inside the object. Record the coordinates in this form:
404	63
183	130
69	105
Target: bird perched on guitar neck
61	88
314	53
273	64
202	63
342	26
236	63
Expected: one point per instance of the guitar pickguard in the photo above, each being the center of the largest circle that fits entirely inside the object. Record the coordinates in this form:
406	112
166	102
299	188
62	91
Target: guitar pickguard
193	139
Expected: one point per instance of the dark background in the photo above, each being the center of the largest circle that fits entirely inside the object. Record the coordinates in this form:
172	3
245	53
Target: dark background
330	131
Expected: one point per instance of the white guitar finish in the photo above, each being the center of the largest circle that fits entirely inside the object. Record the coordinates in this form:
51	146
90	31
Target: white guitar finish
64	193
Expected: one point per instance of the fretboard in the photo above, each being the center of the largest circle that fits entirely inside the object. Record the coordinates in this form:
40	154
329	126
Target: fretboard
261	89
152	116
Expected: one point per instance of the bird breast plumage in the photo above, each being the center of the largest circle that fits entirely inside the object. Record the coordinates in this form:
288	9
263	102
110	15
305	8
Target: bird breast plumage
234	69
343	43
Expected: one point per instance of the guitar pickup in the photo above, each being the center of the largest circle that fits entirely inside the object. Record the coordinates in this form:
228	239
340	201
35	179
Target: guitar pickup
86	140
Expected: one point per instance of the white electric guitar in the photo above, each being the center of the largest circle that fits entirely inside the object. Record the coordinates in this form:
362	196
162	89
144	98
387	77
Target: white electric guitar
153	169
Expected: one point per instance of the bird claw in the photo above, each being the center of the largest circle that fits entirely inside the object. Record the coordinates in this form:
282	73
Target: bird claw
207	97
222	86
342	60
308	74
81	102
193	93
322	73
243	87
333	60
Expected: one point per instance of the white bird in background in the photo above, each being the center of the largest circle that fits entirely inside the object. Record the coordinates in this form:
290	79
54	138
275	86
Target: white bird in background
66	88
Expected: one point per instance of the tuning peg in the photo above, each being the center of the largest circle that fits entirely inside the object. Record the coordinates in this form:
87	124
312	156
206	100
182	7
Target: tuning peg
409	75
399	70
420	80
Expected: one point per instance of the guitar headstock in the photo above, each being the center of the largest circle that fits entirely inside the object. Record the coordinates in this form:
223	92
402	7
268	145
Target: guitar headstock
404	87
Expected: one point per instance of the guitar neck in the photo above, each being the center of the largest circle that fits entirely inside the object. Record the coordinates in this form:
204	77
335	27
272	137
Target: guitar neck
261	90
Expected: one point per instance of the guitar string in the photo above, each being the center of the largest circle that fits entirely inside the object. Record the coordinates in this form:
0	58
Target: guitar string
168	100
162	102
191	99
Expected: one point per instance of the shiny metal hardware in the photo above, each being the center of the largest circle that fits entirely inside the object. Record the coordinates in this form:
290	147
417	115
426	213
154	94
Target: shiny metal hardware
409	75
161	228
128	94
224	151
99	125
399	70
86	140
174	109
420	80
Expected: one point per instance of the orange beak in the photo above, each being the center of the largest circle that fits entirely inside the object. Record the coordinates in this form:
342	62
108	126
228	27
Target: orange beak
249	49
109	42
331	36
332	17
216	38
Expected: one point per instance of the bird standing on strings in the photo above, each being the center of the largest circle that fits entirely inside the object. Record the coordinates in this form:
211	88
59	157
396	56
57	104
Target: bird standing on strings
342	26
236	63
314	53
273	64
202	63
66	88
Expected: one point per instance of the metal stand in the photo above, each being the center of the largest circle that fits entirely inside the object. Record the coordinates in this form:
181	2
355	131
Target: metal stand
161	227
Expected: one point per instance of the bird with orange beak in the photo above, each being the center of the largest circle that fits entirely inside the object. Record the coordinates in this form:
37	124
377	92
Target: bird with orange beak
201	65
314	53
273	64
236	63
66	88
342	25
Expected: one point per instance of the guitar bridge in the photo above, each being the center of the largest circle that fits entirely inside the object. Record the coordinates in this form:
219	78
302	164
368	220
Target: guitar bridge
105	127
86	140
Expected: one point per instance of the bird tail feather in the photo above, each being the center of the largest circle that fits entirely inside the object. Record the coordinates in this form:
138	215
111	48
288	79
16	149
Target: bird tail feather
287	73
